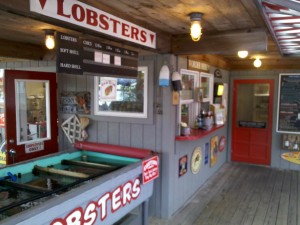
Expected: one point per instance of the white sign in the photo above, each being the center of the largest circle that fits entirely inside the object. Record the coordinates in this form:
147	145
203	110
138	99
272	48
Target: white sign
34	147
78	13
108	88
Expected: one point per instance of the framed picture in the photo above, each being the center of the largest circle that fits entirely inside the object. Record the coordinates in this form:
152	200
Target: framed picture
182	167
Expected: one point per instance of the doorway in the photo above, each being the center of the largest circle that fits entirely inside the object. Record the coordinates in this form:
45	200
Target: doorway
252	121
30	112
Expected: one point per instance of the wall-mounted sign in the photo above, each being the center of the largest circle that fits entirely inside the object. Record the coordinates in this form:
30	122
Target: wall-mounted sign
34	147
75	102
150	169
214	145
196	160
88	17
88	57
100	58
222	144
206	149
69	54
182	166
288	111
108	88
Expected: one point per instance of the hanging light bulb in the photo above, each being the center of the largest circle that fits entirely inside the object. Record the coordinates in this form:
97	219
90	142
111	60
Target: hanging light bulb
49	39
196	28
243	54
257	62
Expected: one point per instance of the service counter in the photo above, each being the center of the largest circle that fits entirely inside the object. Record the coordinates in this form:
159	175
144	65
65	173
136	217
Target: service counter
198	133
91	187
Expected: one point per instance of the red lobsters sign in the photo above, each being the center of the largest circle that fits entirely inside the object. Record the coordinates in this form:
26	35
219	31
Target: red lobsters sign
86	16
98	208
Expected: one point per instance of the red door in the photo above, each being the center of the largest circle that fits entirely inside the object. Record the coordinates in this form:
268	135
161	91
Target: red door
252	121
30	115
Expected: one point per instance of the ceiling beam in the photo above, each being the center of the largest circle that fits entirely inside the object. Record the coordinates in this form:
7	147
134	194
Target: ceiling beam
221	43
19	50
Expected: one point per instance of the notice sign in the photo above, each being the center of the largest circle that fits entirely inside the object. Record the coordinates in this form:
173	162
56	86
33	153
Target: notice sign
150	169
34	147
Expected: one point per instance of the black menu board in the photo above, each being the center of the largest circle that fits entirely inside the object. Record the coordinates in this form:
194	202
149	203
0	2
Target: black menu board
69	54
288	120
88	57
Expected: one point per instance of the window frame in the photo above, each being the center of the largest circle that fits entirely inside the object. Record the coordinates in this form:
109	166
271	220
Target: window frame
143	115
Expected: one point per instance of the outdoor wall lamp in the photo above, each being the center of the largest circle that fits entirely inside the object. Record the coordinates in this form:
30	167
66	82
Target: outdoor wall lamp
243	54
257	62
49	39
196	29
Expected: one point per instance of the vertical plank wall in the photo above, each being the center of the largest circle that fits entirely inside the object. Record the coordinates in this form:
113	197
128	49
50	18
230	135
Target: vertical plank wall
157	133
178	191
276	151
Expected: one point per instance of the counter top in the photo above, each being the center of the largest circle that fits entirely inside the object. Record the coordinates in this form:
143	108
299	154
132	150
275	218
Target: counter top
198	133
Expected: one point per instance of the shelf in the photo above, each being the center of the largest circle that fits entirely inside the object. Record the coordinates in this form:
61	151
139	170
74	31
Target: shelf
198	133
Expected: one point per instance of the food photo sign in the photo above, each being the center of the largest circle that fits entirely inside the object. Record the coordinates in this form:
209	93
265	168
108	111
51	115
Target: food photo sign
108	88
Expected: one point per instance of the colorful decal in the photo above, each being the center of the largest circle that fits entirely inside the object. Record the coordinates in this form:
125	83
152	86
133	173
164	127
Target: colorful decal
182	165
293	157
214	150
108	88
222	144
2	120
98	208
83	15
206	153
150	169
3	153
196	160
75	102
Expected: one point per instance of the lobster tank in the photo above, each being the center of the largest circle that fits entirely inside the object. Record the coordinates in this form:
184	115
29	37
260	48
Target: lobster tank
88	186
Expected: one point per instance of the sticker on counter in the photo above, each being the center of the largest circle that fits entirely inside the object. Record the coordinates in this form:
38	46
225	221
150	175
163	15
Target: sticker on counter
182	165
196	160
150	169
34	147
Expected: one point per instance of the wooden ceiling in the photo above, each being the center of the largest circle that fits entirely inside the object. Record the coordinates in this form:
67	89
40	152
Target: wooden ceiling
227	26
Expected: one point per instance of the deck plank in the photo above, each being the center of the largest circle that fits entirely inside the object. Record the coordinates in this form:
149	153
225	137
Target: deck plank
241	194
282	215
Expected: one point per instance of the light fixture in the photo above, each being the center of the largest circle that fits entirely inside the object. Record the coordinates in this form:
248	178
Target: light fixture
49	39
196	29
257	62
243	54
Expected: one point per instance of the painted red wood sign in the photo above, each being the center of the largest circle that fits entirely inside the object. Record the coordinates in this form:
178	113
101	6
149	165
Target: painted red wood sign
98	208
150	169
78	13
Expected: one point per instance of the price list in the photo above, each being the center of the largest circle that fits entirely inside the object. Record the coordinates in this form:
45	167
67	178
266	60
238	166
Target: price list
88	57
100	58
289	103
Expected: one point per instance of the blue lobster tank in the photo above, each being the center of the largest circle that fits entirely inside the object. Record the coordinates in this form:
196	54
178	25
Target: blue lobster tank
33	193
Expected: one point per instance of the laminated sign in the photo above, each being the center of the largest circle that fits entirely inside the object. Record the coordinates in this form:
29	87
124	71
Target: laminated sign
150	169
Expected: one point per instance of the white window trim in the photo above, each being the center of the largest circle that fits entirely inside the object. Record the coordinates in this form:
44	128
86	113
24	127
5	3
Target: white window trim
123	114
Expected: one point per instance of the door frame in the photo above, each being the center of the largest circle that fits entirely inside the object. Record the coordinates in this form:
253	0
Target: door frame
50	146
269	122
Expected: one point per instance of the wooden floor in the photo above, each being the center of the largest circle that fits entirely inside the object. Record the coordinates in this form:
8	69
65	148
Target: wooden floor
240	194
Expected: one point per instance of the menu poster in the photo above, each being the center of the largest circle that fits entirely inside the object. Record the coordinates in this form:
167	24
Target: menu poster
105	59
69	51
288	112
